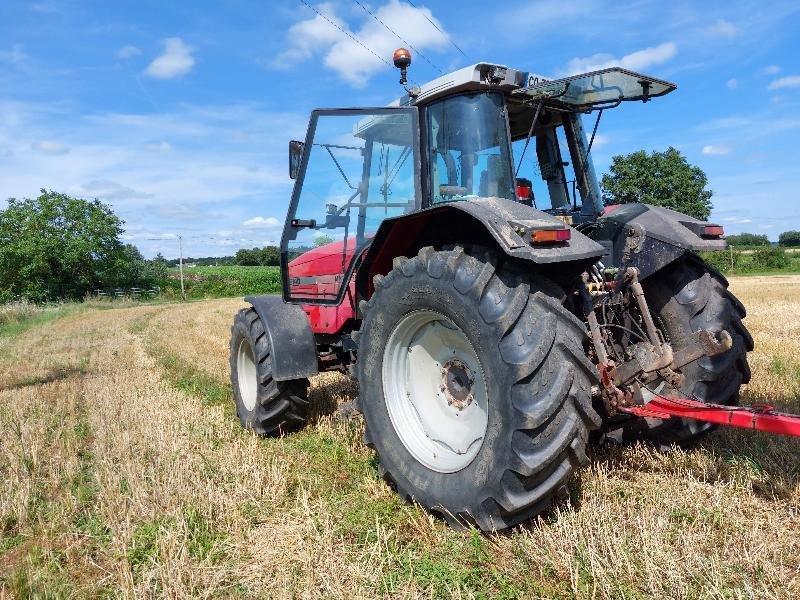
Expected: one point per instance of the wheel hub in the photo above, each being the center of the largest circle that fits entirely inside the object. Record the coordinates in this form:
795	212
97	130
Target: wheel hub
457	383
435	391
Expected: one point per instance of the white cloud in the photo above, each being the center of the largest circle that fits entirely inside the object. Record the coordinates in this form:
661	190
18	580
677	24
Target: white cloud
111	190
347	57
724	28
176	60
771	70
732	84
790	81
636	61
310	36
722	123
261	223
15	56
50	147
161	146
715	150
128	52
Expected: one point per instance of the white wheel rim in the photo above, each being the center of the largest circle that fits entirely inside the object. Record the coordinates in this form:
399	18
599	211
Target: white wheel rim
246	375
435	391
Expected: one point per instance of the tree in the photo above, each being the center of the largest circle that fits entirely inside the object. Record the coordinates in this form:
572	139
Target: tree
659	178
321	240
155	270
789	238
248	257
56	246
747	239
251	257
271	256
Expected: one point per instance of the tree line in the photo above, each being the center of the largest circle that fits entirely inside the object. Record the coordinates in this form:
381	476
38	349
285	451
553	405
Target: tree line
787	239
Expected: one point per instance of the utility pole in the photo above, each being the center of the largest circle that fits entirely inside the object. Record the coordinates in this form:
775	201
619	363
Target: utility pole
180	250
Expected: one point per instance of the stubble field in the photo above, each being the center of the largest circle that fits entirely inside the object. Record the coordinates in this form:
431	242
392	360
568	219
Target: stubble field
124	473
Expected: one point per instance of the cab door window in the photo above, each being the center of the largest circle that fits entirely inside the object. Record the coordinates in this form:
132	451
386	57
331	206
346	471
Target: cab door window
359	167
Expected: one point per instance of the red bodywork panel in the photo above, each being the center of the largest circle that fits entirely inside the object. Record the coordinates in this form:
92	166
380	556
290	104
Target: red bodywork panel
325	263
760	418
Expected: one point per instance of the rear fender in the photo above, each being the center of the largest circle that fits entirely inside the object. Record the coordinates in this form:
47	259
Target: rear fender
293	351
650	237
487	222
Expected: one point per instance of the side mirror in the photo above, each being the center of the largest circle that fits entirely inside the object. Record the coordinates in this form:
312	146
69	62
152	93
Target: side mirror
295	156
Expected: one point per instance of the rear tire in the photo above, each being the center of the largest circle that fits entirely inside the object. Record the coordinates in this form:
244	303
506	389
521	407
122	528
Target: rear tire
686	297
264	405
537	380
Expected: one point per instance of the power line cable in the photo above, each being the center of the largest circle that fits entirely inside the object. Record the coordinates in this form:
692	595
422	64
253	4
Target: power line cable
397	35
348	34
439	30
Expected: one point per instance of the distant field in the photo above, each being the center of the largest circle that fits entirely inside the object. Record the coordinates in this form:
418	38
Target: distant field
124	473
236	281
222	282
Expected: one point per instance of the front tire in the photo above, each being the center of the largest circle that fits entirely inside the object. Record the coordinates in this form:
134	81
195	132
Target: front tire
264	405
517	372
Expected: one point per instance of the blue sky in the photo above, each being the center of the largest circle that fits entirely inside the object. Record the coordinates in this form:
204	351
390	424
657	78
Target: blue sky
179	113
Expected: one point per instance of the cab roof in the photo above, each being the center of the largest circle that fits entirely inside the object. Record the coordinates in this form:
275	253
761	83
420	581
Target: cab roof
595	89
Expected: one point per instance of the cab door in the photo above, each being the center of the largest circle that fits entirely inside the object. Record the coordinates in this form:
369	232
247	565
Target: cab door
359	167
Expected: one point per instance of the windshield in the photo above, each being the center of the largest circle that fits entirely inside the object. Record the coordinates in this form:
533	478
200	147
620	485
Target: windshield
606	87
469	148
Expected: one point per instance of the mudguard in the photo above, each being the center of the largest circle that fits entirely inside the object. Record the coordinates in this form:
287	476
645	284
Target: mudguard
494	221
650	237
293	350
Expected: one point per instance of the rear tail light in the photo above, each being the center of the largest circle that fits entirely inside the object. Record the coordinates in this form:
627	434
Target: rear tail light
549	236
523	192
713	231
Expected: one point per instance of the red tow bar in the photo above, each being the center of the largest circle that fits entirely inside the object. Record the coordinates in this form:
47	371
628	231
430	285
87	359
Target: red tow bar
759	417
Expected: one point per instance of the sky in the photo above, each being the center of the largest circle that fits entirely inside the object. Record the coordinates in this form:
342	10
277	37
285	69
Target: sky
178	114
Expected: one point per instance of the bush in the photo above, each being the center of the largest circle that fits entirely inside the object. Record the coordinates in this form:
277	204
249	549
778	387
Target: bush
724	262
222	282
769	258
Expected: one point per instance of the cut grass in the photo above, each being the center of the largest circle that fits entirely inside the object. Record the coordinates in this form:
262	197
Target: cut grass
139	466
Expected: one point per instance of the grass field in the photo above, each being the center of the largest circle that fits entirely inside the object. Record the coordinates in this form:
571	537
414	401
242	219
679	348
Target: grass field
125	473
222	282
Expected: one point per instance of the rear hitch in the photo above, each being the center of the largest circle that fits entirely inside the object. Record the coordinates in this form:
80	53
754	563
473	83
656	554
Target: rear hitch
758	417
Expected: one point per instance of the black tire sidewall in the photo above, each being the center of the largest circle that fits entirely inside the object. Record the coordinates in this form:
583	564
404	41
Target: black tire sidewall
241	331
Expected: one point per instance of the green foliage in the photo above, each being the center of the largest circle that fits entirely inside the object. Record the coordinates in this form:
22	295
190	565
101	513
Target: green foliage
770	257
764	259
789	238
222	282
268	256
55	246
659	178
204	261
155	270
747	239
322	240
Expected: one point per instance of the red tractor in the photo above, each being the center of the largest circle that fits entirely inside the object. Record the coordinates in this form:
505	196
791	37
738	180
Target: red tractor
489	337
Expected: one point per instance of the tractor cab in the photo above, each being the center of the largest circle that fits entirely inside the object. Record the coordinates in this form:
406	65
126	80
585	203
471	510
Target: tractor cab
485	131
